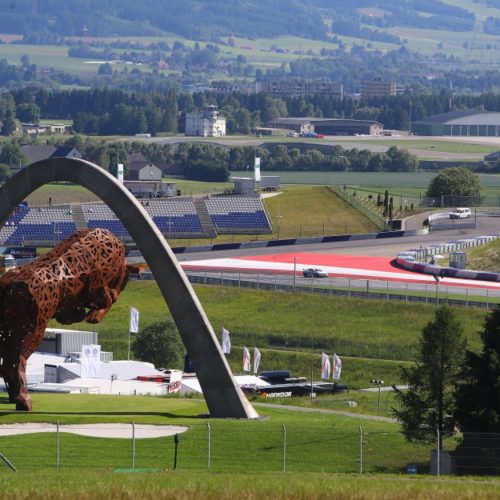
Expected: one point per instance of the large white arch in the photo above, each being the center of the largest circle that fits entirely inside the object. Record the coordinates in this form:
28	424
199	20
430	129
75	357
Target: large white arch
222	394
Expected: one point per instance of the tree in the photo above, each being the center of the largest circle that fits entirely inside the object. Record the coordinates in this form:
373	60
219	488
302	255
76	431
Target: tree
456	181
159	343
28	113
5	172
478	401
12	154
429	403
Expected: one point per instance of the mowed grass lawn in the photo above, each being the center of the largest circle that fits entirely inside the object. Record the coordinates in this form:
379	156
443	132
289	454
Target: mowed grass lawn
309	211
247	458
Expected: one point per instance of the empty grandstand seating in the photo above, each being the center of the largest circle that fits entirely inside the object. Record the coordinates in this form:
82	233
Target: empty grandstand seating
238	214
100	215
174	217
37	225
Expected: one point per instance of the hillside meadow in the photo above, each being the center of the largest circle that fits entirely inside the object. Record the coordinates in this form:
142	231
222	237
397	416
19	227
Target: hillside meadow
373	337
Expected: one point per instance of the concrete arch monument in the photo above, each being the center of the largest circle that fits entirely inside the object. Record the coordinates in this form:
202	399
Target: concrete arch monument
222	394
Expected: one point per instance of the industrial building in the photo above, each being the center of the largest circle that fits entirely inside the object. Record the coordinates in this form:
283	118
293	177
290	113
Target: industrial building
326	126
460	124
205	123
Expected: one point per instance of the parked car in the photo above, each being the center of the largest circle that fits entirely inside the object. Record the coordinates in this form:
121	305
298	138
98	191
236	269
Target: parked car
314	272
461	213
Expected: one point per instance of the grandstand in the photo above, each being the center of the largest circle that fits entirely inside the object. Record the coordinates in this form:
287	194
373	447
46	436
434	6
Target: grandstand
178	218
235	214
38	226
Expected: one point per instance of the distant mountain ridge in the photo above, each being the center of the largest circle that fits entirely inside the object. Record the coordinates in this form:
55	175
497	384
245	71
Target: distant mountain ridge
195	19
209	19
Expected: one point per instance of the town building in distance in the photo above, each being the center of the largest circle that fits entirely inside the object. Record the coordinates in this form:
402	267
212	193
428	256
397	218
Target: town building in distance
299	88
206	123
378	88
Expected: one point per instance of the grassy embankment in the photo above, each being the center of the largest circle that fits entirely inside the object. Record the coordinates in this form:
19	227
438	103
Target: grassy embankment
485	258
292	330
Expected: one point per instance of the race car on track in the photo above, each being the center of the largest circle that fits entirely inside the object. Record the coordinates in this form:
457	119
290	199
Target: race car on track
314	272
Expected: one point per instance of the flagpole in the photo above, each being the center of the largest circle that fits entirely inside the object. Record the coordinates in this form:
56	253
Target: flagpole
312	364
128	353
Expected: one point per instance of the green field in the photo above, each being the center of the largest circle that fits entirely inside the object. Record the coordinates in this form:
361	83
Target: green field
281	323
315	442
286	454
262	486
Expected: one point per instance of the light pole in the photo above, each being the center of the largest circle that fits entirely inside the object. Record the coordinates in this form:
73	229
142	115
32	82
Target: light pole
278	219
379	384
437	278
294	272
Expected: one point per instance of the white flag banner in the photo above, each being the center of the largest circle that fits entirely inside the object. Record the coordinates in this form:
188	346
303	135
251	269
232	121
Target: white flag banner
134	320
325	366
257	169
337	367
95	360
256	360
246	360
175	382
226	341
85	360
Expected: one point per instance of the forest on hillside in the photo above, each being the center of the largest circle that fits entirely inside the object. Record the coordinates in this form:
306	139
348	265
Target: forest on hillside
209	19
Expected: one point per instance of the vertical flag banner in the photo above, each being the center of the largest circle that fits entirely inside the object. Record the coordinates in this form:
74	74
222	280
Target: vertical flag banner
246	360
256	360
226	341
257	169
134	320
337	367
325	366
85	361
95	360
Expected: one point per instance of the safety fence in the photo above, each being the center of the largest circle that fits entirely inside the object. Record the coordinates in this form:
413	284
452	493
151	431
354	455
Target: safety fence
354	288
325	444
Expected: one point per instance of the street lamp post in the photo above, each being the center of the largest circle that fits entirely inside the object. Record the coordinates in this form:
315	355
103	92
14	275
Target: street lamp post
294	272
437	278
278	220
379	384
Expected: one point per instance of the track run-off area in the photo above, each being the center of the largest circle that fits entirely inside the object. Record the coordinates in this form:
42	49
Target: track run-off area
366	259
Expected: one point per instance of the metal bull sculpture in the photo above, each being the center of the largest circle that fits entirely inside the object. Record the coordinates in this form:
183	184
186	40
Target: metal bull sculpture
77	281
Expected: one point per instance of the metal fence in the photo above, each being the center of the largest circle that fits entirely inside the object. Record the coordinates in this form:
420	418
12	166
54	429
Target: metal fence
255	446
353	288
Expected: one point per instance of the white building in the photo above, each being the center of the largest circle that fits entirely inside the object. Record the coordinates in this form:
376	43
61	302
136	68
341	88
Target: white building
206	123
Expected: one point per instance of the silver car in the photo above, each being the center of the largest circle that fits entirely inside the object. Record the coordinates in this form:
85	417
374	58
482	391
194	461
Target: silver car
314	272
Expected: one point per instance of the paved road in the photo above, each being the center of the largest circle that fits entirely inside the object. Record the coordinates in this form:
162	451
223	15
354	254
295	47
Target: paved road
374	144
487	224
326	411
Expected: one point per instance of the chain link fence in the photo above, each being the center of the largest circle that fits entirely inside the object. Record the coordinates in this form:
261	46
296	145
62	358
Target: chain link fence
255	447
351	287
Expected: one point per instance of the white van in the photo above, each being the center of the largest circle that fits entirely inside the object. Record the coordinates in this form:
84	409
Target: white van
461	213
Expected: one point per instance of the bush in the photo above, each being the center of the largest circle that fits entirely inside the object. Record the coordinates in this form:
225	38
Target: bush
160	344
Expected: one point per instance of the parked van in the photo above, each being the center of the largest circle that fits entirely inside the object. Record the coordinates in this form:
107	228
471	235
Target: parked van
461	213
